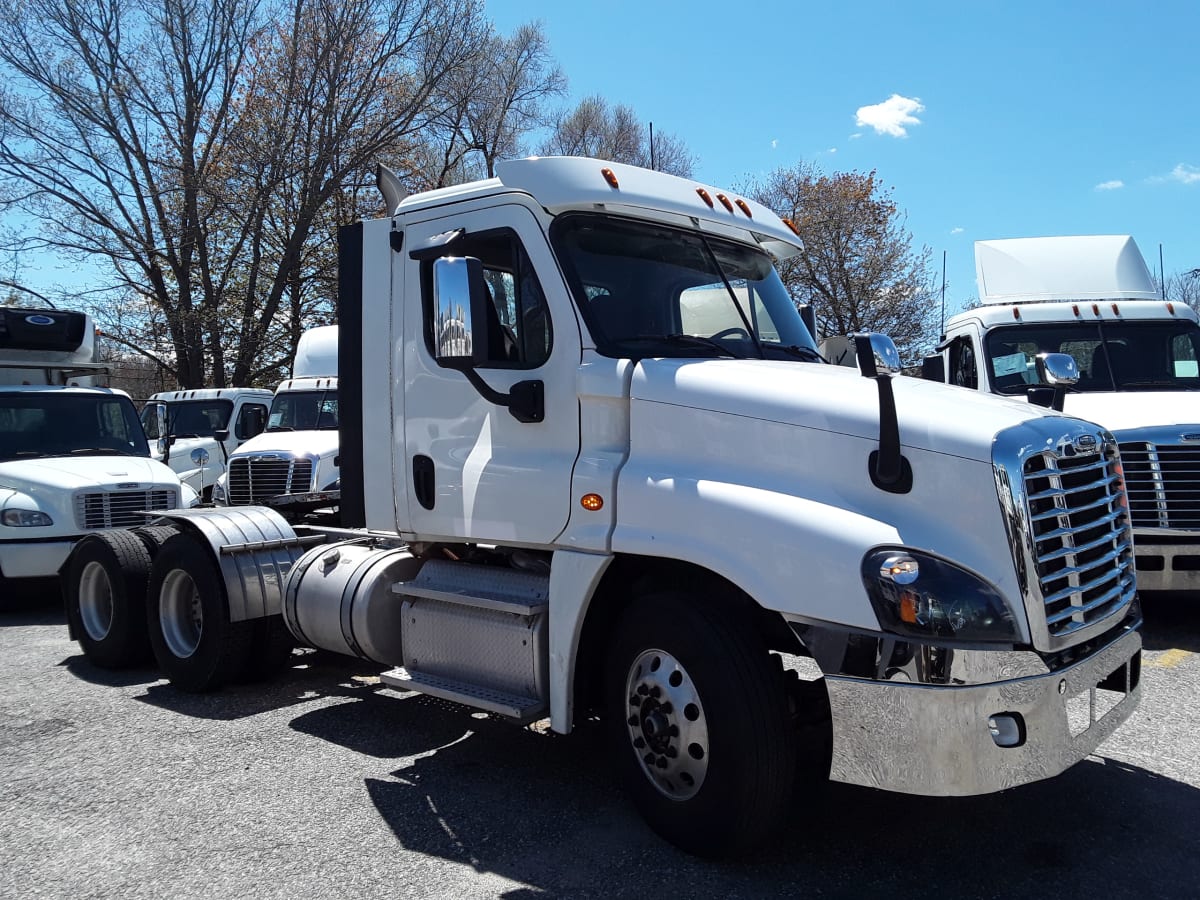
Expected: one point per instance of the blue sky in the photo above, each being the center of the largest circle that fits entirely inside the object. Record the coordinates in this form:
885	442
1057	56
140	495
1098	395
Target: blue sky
1005	119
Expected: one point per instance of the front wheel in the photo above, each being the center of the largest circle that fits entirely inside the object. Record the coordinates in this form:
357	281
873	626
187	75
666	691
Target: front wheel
700	721
196	645
104	586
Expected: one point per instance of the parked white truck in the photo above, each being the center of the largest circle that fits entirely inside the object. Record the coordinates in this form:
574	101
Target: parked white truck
591	461
1137	355
297	453
73	458
182	427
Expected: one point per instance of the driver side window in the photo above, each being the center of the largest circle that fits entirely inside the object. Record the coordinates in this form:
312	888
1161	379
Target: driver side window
964	371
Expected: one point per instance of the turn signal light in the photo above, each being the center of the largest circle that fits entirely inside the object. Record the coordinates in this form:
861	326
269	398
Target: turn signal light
592	502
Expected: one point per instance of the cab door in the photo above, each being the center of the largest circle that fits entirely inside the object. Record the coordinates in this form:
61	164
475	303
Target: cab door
474	471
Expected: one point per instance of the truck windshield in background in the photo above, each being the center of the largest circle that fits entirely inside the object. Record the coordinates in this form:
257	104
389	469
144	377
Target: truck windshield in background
36	424
652	290
1112	356
304	411
189	418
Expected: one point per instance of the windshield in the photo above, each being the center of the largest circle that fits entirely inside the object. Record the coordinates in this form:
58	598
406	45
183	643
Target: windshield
652	290
304	411
37	424
189	418
1112	356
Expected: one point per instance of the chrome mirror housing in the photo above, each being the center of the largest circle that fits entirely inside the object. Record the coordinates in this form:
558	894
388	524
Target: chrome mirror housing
1057	368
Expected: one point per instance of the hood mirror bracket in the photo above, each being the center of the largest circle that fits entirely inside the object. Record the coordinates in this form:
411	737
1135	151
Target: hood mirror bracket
879	359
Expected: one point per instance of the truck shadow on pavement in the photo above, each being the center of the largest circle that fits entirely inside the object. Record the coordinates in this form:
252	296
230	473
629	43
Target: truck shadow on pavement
1171	621
544	810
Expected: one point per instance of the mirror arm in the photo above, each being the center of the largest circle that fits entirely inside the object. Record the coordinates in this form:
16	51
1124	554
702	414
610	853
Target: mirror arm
526	401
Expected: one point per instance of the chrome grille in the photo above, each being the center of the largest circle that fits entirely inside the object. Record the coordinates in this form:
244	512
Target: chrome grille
1082	541
254	479
120	509
1163	481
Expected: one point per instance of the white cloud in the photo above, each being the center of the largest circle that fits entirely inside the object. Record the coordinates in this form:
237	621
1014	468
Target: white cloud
1115	184
856	136
774	143
1185	174
892	116
956	231
831	150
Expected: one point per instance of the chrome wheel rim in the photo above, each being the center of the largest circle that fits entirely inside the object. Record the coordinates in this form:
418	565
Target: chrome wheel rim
181	613
666	725
95	601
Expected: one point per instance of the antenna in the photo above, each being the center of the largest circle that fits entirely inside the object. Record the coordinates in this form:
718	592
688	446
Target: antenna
1162	276
652	166
943	326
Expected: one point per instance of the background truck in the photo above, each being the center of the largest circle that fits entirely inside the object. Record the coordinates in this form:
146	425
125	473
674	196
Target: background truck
73	458
182	427
1137	355
591	462
293	463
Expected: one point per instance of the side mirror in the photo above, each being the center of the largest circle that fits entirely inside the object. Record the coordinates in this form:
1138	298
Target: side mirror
460	312
809	317
1057	368
877	354
933	368
222	434
164	436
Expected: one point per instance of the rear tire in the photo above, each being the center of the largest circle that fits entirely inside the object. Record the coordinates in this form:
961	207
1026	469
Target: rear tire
699	718
196	645
104	586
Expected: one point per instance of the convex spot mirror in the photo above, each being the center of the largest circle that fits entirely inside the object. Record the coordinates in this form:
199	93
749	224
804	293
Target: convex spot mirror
1057	368
459	312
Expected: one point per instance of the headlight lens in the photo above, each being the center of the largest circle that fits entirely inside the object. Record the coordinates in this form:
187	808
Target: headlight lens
26	518
919	595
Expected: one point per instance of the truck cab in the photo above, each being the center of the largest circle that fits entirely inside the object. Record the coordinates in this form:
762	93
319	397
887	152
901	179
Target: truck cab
297	452
183	428
73	457
1137	358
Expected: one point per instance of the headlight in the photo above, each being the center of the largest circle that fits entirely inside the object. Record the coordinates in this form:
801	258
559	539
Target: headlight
26	518
922	596
218	493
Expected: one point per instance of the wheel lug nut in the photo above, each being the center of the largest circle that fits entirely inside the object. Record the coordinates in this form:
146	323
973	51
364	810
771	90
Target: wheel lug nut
662	762
643	690
635	700
640	743
672	752
666	708
656	692
633	720
648	759
673	731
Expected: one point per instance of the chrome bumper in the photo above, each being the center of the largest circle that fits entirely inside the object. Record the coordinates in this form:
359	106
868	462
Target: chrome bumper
1158	569
934	740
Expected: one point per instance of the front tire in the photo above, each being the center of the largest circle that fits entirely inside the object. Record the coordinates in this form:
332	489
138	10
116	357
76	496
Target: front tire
699	718
104	587
196	645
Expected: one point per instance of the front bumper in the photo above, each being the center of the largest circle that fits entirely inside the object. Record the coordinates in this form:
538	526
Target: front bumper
34	558
934	740
1166	567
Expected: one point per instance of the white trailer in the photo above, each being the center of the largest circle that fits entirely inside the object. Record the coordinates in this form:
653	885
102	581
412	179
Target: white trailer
73	458
572	482
1138	369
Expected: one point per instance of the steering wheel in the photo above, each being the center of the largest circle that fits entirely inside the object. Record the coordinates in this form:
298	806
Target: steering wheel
735	331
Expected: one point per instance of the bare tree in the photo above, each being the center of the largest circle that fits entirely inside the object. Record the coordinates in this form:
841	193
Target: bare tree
593	128
193	144
858	268
1182	286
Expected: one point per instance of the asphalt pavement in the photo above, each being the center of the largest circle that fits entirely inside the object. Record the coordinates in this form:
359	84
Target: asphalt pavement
322	784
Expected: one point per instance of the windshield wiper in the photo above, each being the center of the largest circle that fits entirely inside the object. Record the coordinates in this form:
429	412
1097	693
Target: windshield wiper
680	340
798	351
97	451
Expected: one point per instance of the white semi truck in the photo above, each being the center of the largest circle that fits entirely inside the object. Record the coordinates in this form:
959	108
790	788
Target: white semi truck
183	427
1138	359
592	462
73	458
294	461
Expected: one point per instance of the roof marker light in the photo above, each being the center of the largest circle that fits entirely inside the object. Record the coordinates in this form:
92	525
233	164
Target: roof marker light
1075	309
1171	308
792	226
1096	308
705	197
610	178
744	207
1016	312
1116	312
725	202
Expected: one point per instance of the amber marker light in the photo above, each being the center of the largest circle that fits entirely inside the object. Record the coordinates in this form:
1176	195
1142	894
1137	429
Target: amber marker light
744	207
1016	312
1116	311
592	502
1096	309
705	197
611	178
791	226
910	607
725	202
1171	308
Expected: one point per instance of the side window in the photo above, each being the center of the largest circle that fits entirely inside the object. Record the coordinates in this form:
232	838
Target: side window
964	371
518	327
250	421
1183	357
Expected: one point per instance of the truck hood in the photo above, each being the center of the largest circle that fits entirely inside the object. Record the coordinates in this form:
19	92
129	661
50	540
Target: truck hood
934	417
296	443
73	473
181	451
1120	411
